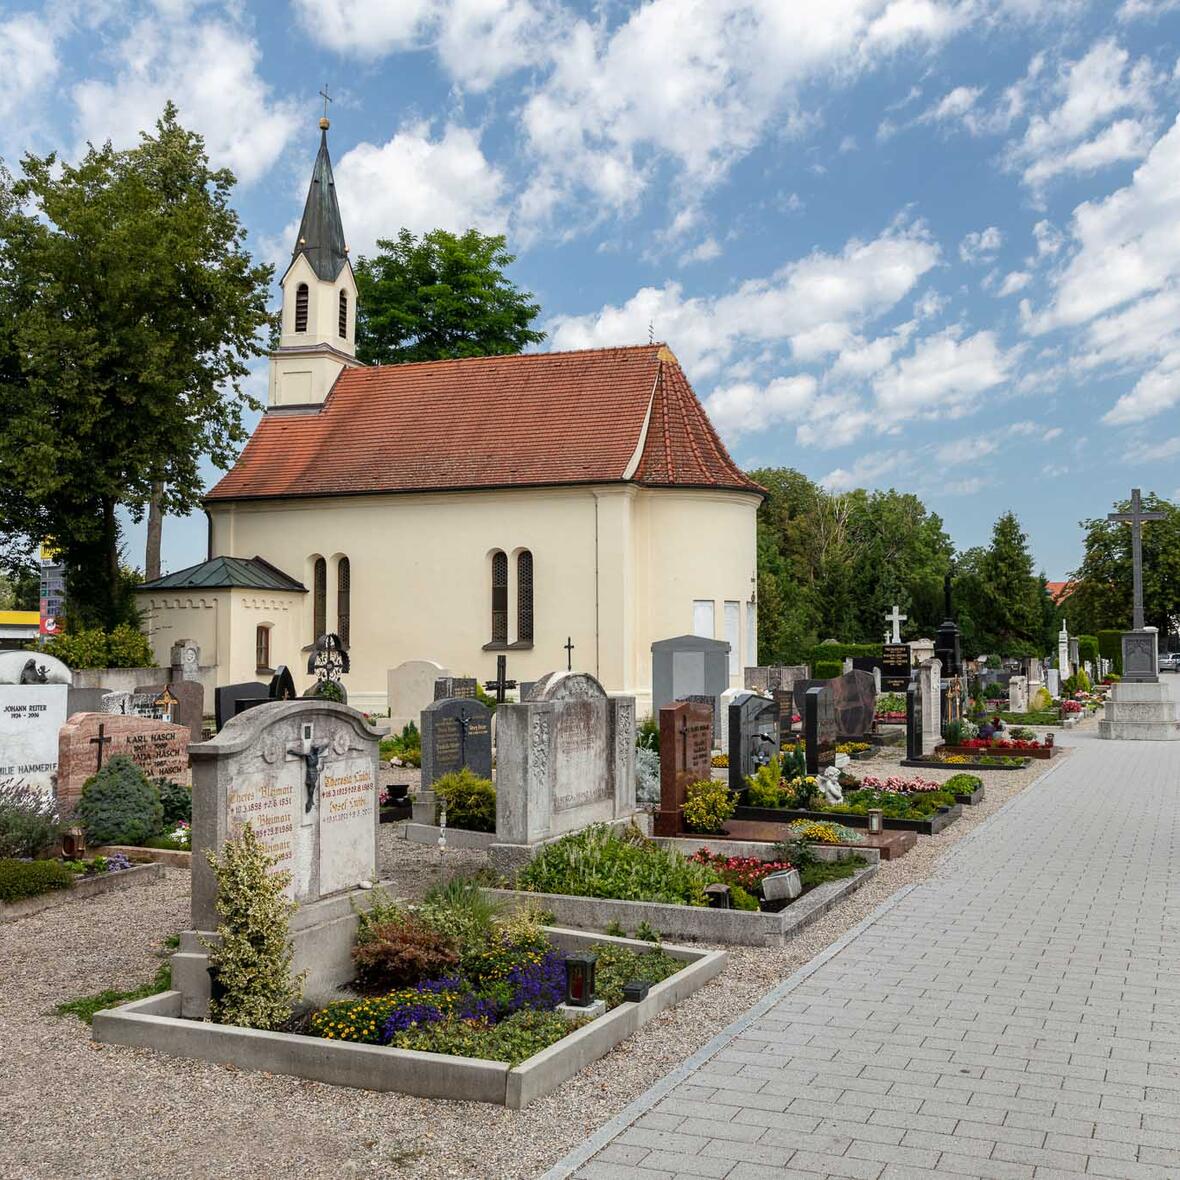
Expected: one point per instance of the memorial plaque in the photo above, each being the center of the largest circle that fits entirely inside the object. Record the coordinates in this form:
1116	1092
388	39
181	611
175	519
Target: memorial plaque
895	667
819	728
754	737
456	732
455	687
686	757
187	707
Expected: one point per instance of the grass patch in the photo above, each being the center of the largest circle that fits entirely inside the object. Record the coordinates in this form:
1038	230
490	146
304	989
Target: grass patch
84	1007
1044	717
822	871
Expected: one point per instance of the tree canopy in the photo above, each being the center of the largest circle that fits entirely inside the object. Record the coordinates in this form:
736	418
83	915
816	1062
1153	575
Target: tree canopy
129	307
439	297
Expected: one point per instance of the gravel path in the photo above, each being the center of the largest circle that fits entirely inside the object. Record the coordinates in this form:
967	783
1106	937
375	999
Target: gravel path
72	1108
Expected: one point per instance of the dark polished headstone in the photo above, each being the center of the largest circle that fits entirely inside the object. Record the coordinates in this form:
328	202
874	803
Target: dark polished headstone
448	687
1141	657
913	722
895	667
686	756
456	733
226	698
819	728
754	737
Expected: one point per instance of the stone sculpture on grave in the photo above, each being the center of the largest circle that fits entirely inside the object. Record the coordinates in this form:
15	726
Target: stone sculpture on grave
1139	707
754	737
829	785
303	774
819	729
19	667
686	748
565	759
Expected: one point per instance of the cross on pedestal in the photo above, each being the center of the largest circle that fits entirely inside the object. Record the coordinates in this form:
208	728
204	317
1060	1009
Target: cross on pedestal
100	741
896	618
501	684
569	654
1135	519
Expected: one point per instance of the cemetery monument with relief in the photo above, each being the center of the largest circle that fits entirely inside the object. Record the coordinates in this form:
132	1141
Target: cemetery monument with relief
34	697
1139	707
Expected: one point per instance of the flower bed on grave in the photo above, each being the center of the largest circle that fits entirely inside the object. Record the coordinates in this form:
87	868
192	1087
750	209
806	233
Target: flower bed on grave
1014	747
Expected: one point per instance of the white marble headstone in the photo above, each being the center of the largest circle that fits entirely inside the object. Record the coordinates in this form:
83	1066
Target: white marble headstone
31	716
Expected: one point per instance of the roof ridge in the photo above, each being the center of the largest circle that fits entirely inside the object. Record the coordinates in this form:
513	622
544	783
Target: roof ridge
516	356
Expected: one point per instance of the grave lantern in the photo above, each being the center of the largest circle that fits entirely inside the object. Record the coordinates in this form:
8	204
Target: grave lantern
717	896
579	980
73	843
635	991
876	821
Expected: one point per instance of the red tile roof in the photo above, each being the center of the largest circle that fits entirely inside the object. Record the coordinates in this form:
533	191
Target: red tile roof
1060	591
485	422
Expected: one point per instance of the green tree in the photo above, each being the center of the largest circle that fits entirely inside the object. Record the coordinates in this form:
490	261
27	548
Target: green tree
1101	599
1009	605
129	308
440	296
20	590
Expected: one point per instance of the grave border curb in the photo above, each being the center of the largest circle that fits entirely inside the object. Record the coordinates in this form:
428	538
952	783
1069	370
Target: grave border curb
83	889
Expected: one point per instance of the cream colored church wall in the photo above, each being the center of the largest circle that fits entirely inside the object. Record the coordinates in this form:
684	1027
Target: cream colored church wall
323	307
201	617
614	567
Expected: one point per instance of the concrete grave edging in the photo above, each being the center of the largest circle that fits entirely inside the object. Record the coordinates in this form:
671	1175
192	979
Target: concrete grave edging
155	1023
82	889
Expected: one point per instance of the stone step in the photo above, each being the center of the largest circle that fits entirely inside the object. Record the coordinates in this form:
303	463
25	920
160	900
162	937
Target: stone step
1163	711
424	810
1143	731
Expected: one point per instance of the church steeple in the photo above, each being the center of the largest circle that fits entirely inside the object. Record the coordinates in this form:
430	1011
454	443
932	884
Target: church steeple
321	234
318	336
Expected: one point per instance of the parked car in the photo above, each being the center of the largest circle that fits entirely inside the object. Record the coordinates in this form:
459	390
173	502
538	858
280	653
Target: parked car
1170	662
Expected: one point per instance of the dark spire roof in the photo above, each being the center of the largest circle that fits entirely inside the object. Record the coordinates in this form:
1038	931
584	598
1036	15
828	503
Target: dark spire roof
321	235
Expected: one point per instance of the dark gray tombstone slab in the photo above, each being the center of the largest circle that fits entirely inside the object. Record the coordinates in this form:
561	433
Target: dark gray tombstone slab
819	728
454	687
800	689
189	709
455	733
855	699
895	667
226	698
526	689
754	737
282	685
913	722
687	667
84	700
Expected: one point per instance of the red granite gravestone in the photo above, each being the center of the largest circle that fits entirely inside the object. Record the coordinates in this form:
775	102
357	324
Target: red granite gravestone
686	756
158	748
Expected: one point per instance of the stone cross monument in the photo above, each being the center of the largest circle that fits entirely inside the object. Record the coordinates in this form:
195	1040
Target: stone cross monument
1135	519
896	618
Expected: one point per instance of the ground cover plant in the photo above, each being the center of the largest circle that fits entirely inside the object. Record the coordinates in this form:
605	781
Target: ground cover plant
707	805
963	784
30	878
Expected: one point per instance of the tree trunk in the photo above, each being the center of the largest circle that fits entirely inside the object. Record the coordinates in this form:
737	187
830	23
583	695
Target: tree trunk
110	533
155	531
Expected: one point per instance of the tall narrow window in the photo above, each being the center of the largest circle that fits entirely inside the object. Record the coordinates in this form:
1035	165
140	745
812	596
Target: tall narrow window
319	599
343	314
499	597
262	649
343	589
702	618
301	308
524	597
733	626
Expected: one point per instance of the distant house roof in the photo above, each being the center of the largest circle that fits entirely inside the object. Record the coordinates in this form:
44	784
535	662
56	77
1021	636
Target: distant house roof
1060	591
223	573
597	416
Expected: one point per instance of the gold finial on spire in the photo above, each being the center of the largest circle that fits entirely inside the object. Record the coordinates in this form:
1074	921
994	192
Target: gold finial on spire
324	124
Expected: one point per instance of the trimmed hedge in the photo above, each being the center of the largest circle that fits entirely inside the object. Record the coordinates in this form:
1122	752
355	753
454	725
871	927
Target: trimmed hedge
29	878
1110	647
827	669
842	651
1088	649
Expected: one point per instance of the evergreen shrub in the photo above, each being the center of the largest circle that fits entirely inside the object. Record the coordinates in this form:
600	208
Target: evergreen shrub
470	800
1088	649
1110	647
119	805
177	801
707	805
827	669
29	878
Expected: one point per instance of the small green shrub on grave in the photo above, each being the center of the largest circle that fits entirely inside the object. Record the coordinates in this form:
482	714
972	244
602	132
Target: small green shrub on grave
406	746
818	872
827	669
764	786
29	878
707	805
647	736
177	801
962	784
251	964
470	800
329	690
1078	682
119	805
29	823
513	1040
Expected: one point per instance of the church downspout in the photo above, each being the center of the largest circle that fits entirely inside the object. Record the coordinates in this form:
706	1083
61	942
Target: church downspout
597	668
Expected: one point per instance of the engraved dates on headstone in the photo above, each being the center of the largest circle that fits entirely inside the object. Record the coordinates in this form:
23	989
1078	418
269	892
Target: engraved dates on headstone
686	748
819	728
456	732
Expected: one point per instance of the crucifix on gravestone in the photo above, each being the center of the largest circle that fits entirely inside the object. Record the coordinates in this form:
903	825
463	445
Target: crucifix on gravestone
501	684
1135	519
313	761
896	618
569	654
684	737
100	741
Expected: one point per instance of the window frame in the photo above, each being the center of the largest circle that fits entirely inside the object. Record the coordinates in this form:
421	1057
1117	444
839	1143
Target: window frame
302	307
319	598
525	617
262	648
499	572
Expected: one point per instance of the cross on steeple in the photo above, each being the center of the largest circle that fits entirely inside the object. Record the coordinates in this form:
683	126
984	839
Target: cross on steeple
1135	519
324	96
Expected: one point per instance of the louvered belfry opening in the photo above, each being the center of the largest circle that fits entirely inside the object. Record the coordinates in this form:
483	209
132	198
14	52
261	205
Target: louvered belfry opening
301	308
319	608
343	315
499	597
524	597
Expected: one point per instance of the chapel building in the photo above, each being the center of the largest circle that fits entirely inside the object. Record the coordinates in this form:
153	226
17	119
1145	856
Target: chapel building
458	510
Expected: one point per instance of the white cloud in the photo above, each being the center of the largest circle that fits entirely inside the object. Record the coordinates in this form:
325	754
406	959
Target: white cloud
955	104
816	304
210	70
1048	237
1052	433
1014	281
1128	139
964	450
1156	391
981	245
1023	428
747	408
1142	452
867	469
704	251
28	61
1131	10
965	487
943	376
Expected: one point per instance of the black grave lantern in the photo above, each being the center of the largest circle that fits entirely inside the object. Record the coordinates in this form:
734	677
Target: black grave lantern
717	896
579	980
635	991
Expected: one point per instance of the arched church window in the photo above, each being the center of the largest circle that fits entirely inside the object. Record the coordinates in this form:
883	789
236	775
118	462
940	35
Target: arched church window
262	648
499	597
344	314
301	308
319	599
343	595
524	597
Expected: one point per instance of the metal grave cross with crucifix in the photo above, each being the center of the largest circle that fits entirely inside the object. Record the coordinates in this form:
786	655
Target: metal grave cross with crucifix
569	654
896	618
1135	519
501	684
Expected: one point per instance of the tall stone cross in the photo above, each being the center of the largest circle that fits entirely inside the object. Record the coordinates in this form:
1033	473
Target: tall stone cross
1135	519
896	618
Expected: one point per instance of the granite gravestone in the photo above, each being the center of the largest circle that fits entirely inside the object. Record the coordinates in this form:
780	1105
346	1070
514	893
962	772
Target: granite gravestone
686	757
456	733
913	723
819	728
1053	682
854	696
455	687
409	689
226	697
88	741
754	737
565	759
895	667
785	699
281	688
187	707
688	666
304	775
31	716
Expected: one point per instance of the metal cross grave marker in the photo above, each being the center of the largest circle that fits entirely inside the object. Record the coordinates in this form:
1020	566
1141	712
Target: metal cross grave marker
100	741
1135	519
501	684
569	654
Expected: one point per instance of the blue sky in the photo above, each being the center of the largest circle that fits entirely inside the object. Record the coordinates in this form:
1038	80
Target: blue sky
928	244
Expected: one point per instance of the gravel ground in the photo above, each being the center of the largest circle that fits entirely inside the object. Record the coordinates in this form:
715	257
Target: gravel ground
73	1108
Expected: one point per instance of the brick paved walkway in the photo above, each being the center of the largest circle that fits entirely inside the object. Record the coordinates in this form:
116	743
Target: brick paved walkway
1017	1016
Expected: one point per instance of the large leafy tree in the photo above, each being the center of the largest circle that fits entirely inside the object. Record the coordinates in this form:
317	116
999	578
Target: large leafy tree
129	308
439	297
1101	598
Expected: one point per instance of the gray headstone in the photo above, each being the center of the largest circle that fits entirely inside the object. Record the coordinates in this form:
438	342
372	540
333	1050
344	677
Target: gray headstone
753	737
913	722
409	689
455	733
461	687
687	667
819	728
46	669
